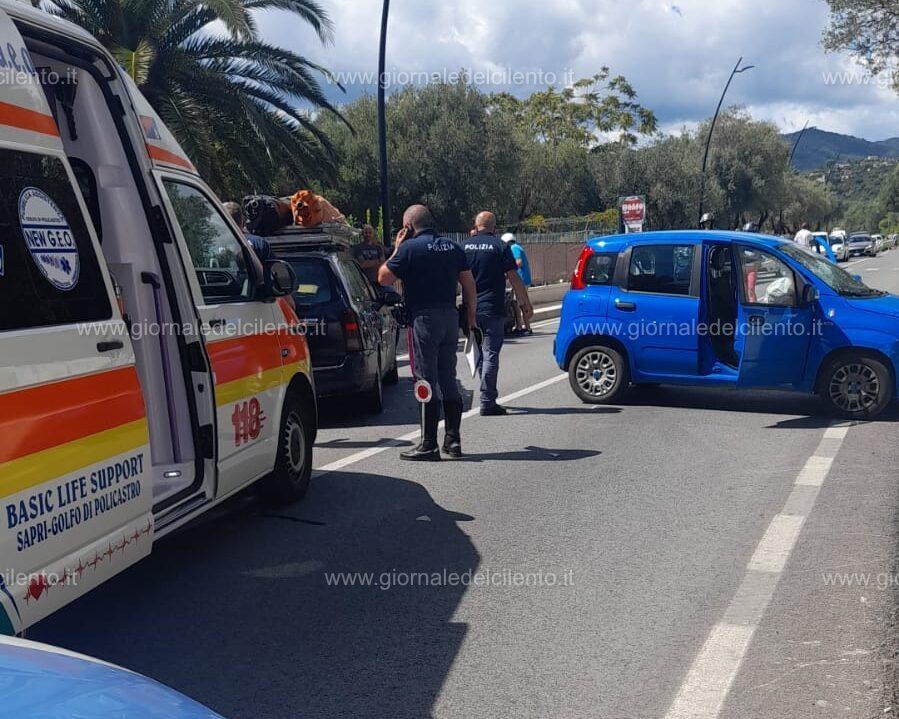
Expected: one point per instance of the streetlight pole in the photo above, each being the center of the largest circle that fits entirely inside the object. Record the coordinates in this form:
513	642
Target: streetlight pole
382	125
796	144
708	141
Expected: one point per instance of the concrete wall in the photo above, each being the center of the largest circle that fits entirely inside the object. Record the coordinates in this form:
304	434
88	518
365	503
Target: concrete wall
552	262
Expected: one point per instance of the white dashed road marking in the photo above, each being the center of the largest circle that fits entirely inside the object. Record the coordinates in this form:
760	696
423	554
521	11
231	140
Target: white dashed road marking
709	679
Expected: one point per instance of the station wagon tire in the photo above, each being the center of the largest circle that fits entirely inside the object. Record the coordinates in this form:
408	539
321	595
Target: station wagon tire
289	481
393	375
598	375
374	398
856	386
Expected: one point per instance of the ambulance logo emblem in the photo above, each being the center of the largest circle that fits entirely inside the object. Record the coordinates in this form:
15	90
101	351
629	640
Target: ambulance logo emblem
151	130
49	238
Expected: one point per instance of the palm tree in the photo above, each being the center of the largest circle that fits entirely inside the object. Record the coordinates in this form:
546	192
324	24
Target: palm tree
231	100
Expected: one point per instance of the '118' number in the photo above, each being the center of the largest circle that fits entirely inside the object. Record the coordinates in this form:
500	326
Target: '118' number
247	420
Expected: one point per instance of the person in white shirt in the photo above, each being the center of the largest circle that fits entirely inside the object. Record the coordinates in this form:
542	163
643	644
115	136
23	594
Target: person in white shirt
804	236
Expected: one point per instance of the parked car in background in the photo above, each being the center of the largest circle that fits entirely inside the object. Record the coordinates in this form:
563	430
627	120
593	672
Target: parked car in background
879	243
351	325
40	681
775	316
860	243
839	245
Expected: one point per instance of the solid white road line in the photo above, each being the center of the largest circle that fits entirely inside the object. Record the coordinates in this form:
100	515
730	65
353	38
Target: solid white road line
541	323
399	441
709	679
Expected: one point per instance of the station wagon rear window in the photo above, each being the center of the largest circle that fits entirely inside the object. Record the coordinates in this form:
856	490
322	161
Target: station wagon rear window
313	281
662	269
49	272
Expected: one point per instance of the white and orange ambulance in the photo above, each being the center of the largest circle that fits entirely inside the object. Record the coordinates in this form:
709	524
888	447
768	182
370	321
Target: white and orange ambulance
150	365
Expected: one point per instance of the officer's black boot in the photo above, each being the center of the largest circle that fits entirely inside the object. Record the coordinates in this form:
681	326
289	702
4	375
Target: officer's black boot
427	451
452	416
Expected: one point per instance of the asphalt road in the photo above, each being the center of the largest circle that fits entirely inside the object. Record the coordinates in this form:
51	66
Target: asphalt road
688	553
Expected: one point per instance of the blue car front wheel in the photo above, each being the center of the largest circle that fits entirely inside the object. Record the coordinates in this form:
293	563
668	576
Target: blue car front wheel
856	386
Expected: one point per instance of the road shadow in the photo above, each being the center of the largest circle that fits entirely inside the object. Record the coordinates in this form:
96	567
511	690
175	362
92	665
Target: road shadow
724	400
532	454
238	612
586	409
347	443
400	409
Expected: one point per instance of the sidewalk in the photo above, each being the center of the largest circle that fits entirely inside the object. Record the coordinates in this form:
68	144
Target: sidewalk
547	300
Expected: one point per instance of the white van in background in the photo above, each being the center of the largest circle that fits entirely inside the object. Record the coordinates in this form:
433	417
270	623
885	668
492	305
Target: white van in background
150	366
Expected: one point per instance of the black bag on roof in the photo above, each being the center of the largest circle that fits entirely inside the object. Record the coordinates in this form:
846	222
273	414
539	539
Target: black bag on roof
266	214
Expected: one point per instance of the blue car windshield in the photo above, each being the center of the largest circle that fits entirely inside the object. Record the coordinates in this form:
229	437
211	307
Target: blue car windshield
834	277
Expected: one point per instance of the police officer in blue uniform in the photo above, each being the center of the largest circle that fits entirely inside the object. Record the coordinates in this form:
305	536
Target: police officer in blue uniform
431	267
492	263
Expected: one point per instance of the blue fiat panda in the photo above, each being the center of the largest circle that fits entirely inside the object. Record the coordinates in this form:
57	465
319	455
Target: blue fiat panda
726	309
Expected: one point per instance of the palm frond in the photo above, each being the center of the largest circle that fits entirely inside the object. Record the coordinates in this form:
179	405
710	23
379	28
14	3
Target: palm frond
308	10
136	62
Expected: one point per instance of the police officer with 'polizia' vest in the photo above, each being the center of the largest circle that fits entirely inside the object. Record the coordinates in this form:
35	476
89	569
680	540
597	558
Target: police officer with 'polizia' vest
431	267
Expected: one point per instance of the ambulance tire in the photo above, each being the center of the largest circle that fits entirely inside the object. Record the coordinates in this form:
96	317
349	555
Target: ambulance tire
289	481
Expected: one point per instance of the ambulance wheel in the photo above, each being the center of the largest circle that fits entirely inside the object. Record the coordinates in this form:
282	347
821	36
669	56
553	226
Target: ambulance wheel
293	466
598	375
856	386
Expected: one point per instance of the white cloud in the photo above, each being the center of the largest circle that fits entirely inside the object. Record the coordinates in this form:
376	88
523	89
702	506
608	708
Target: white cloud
676	54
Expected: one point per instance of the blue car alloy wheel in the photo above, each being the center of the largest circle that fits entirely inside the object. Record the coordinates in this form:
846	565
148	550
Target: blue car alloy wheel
598	375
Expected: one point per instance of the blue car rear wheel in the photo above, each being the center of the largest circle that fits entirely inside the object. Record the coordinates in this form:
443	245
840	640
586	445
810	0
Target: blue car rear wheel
598	375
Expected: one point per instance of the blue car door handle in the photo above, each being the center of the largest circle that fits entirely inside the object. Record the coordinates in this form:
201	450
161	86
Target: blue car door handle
625	306
756	320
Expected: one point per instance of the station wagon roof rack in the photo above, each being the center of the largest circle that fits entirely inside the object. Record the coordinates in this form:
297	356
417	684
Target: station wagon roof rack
325	237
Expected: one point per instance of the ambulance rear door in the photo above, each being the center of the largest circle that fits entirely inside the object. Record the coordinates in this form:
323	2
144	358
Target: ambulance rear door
75	493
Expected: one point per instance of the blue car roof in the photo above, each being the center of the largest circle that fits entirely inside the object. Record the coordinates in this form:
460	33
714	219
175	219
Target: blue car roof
616	243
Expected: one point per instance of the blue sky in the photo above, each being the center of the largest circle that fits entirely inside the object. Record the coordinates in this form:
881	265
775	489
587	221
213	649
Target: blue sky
677	55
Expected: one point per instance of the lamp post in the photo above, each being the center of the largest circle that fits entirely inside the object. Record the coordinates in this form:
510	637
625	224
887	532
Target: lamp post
708	141
382	125
796	144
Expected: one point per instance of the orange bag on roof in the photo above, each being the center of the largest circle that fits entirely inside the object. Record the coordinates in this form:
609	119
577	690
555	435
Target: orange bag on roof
311	210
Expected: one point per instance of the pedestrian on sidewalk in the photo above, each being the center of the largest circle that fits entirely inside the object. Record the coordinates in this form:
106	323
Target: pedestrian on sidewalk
431	267
522	322
492	263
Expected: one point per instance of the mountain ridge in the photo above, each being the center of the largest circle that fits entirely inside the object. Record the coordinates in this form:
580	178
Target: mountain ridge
818	147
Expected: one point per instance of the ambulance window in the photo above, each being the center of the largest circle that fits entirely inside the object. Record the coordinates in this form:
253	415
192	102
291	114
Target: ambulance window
217	255
49	272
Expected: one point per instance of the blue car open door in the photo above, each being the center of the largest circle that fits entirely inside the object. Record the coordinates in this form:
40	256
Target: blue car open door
774	325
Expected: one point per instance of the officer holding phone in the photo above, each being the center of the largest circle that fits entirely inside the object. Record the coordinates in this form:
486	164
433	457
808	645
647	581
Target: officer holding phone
431	267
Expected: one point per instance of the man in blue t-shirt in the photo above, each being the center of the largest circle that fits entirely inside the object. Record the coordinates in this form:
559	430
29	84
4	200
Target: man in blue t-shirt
522	324
492	264
431	267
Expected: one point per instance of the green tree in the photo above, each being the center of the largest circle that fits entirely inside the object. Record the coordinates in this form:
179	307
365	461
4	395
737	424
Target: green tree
748	162
578	114
869	29
446	150
230	99
807	200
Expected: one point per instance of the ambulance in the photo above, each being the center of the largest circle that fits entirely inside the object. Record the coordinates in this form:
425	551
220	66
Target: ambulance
150	365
